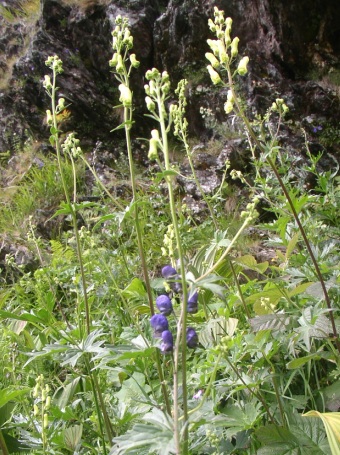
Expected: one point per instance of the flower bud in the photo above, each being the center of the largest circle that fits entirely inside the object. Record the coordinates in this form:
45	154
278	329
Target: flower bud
168	272
165	88
49	118
153	149
120	64
211	25
234	47
242	66
192	305
228	107
35	410
230	96
192	338
150	104
159	323
45	421
48	403
212	59
134	62
213	44
164	305
47	82
215	77
222	54
114	60
61	104
125	95
167	344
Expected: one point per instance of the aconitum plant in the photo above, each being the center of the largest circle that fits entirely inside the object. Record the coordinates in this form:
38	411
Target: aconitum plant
192	305
192	338
159	323
164	305
167	344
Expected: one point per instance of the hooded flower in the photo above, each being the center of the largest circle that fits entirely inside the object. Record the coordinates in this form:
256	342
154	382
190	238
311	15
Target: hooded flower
164	304
159	323
167	344
168	272
192	338
192	306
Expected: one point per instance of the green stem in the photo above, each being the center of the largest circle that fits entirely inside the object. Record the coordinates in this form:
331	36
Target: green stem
3	445
69	204
180	344
226	252
94	391
239	290
127	122
292	207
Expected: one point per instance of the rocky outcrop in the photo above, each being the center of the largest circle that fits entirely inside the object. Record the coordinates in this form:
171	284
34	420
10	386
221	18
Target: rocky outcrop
294	52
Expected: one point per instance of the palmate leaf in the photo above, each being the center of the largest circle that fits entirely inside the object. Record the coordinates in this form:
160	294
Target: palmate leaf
72	436
154	436
331	421
215	329
298	439
276	321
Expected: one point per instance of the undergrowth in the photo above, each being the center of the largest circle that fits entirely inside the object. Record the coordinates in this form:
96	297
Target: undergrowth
148	330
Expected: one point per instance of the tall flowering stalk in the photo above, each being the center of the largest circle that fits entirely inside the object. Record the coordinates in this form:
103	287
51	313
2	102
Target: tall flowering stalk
157	91
122	63
225	57
72	149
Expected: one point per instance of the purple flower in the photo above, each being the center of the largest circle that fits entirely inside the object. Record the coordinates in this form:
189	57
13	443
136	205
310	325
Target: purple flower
168	272
167	344
192	306
192	338
159	323
317	128
198	395
164	304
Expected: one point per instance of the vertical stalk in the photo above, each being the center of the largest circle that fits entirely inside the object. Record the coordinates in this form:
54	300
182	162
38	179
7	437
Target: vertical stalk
69	204
127	122
3	445
180	344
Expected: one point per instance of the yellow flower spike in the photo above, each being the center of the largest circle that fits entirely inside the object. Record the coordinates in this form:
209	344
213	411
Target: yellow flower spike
215	77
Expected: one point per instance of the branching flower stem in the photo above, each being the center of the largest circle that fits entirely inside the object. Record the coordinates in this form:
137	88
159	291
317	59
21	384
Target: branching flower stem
285	191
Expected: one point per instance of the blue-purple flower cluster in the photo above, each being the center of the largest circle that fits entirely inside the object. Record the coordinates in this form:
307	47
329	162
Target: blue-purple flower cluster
159	322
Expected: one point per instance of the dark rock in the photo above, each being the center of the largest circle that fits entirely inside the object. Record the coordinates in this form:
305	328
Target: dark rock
294	53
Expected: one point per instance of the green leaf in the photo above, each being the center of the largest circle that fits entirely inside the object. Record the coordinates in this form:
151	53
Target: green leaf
275	322
161	175
215	329
11	393
72	436
297	363
157	435
298	439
